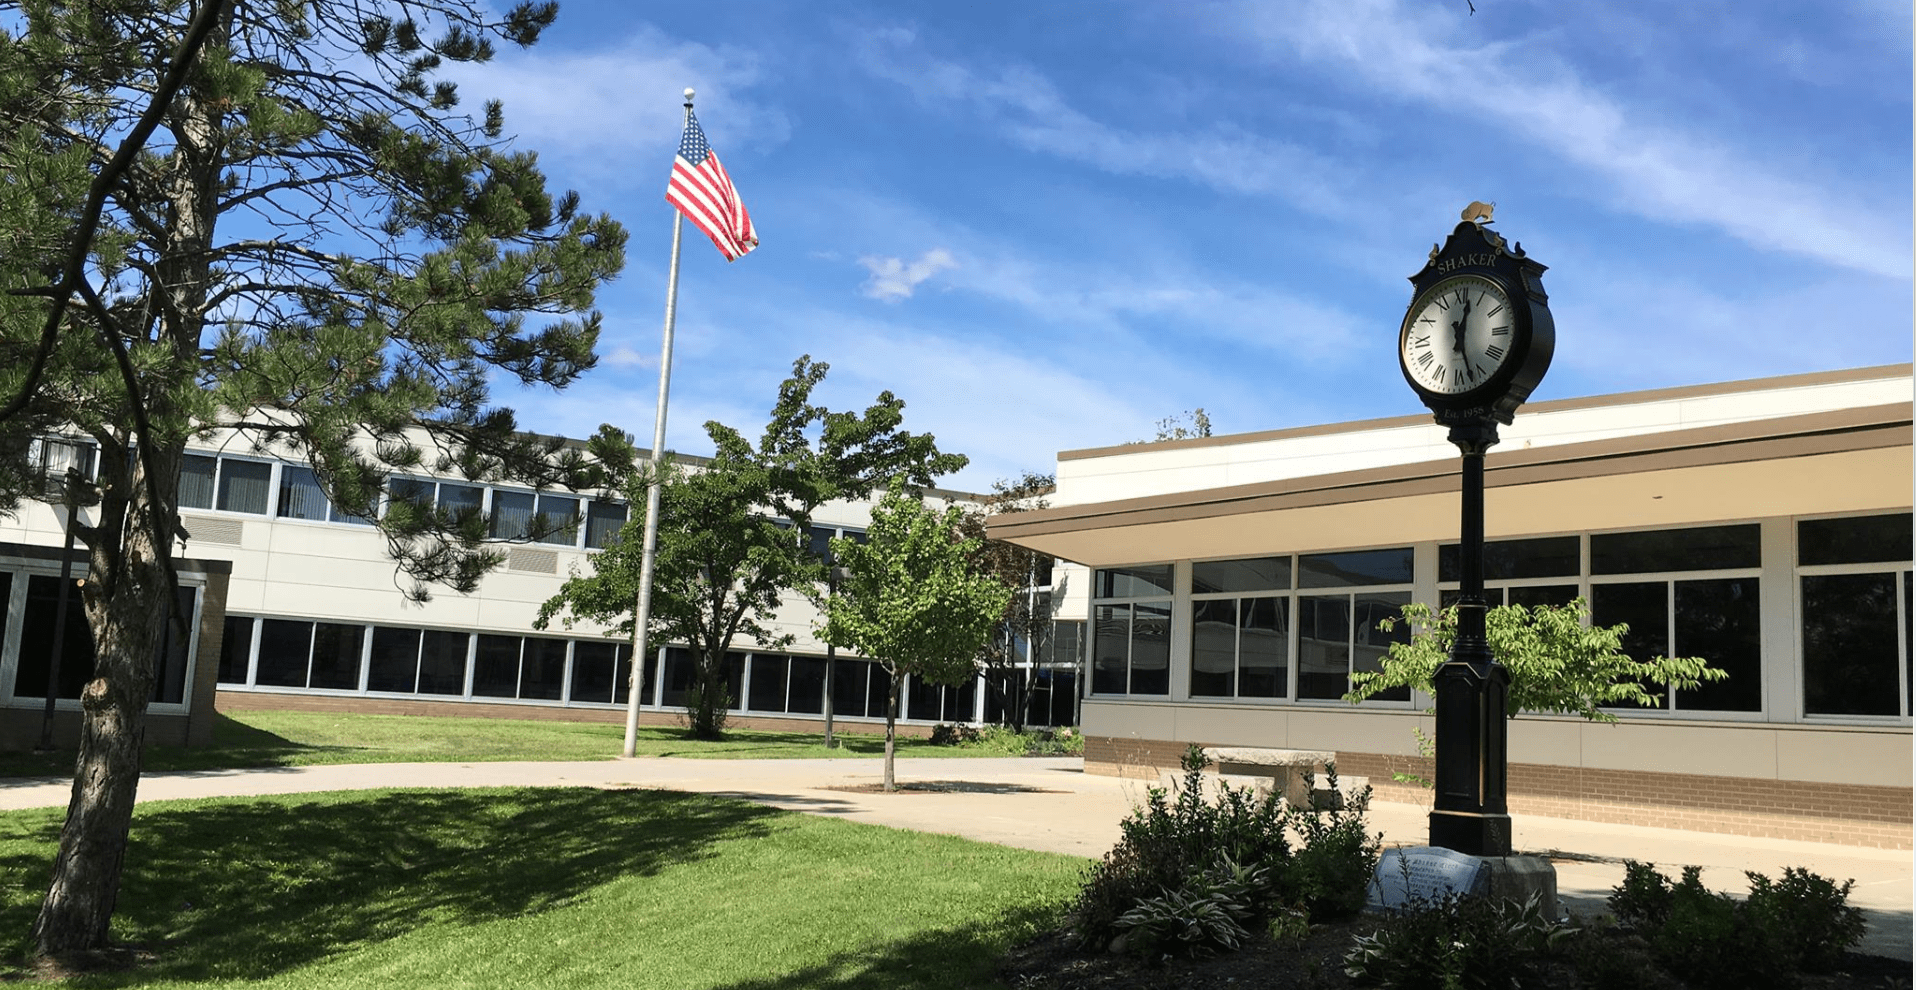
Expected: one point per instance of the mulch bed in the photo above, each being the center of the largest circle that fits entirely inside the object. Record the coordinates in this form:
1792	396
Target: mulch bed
1317	963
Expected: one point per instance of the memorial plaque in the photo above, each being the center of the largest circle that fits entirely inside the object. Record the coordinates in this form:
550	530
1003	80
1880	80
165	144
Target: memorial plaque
1425	873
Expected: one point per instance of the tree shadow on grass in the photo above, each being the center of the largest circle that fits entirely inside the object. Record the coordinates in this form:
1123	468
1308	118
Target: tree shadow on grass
942	959
235	745
248	889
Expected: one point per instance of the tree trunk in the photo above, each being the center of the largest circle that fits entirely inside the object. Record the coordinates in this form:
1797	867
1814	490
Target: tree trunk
891	729
127	619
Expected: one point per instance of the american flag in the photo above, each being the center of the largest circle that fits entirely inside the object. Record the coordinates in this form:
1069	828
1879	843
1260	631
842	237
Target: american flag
703	192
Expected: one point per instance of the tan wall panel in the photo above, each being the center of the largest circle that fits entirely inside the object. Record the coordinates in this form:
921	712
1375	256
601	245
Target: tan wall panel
1355	730
1128	718
1875	758
1235	725
1689	749
1539	740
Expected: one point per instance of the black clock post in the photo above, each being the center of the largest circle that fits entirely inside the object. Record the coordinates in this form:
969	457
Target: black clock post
1476	341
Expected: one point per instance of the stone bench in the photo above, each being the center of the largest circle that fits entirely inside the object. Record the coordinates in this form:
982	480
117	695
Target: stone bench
1278	771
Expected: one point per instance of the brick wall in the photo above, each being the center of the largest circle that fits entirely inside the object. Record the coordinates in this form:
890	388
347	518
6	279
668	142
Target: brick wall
1851	814
234	701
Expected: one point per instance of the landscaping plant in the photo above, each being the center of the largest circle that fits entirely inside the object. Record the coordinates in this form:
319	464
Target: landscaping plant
1713	941
1457	941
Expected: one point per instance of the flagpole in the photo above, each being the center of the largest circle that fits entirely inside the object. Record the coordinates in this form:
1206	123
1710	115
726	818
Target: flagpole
649	558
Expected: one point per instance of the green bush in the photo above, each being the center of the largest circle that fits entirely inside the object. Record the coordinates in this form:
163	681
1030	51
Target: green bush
1714	941
1332	868
1810	914
1175	837
1455	942
954	734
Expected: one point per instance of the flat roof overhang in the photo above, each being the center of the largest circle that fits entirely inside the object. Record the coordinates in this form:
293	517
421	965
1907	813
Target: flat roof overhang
1848	460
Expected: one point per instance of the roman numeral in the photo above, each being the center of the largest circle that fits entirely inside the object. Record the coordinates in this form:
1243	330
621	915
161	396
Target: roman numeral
1423	341
1443	304
1481	373
1494	352
1494	312
1438	375
1423	360
1503	331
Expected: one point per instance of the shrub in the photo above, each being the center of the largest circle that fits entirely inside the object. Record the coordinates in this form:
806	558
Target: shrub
1177	836
954	734
1809	914
1713	940
1332	867
1457	941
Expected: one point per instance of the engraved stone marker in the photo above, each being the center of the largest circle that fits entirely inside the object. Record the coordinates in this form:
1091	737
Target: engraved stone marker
1426	872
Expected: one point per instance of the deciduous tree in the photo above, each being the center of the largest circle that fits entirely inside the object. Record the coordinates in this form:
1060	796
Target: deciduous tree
911	599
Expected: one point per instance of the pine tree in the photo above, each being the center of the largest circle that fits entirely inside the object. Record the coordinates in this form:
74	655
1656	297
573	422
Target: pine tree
316	248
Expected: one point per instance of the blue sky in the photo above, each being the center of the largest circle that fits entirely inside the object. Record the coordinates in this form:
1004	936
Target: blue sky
1047	226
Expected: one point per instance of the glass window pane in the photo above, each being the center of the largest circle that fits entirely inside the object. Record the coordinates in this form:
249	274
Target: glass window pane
1700	549
1855	540
1214	648
1263	647
1067	641
1849	644
299	494
544	669
336	648
36	641
734	680
169	666
1718	621
768	682
1357	567
603	520
1514	560
678	676
413	490
1371	643
495	667
960	700
1151	649
921	700
1645	607
819	539
878	692
1134	582
1531	596
244	485
848	686
284	647
394	665
806	693
1323	646
1255	574
593	664
236	648
559	515
1111	649
649	682
442	662
460	501
196	482
511	515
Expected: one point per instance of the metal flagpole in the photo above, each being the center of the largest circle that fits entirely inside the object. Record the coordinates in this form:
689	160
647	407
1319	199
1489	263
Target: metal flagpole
650	555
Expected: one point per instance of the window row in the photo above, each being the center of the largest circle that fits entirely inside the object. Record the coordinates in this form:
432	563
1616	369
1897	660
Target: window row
1266	627
40	626
304	654
291	491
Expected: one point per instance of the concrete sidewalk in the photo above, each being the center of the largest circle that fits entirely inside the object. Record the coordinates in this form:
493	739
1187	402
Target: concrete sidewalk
1050	804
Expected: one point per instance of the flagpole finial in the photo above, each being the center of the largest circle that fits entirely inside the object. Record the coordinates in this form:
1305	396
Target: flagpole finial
688	96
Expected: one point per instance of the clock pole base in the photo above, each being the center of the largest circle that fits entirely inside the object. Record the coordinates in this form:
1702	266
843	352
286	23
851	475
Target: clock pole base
1470	833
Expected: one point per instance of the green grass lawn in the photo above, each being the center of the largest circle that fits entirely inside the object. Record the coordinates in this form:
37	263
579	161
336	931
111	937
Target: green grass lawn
284	739
546	887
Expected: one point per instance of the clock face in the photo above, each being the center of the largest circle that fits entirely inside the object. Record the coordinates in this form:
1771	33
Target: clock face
1458	335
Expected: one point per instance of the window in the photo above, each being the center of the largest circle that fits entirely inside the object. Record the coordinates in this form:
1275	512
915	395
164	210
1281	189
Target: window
544	518
1518	572
495	667
196	481
850	688
52	457
805	694
558	521
542	671
300	496
284	646
236	649
768	682
442	662
394	664
1338	631
37	627
1704	613
244	486
1131	640
594	671
1240	646
603	520
1856	594
511	515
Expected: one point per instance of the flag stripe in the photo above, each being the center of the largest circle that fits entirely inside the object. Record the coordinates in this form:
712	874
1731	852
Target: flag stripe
702	191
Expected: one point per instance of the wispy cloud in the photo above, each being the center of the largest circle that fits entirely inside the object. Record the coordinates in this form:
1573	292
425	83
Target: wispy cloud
893	279
1031	112
1648	168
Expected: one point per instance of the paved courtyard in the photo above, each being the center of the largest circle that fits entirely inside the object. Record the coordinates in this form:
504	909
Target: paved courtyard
1050	804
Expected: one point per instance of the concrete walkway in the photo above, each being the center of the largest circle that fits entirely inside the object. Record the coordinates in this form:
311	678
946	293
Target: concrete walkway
1050	804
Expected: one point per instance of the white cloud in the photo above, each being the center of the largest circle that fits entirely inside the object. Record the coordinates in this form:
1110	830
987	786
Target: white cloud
1030	111
1651	169
621	356
893	279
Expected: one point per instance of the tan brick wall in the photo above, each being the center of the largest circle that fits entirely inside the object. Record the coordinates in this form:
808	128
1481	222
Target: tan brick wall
235	701
1851	814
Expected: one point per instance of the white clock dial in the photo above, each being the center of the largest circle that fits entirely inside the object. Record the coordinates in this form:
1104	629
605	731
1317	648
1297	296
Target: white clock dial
1458	334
